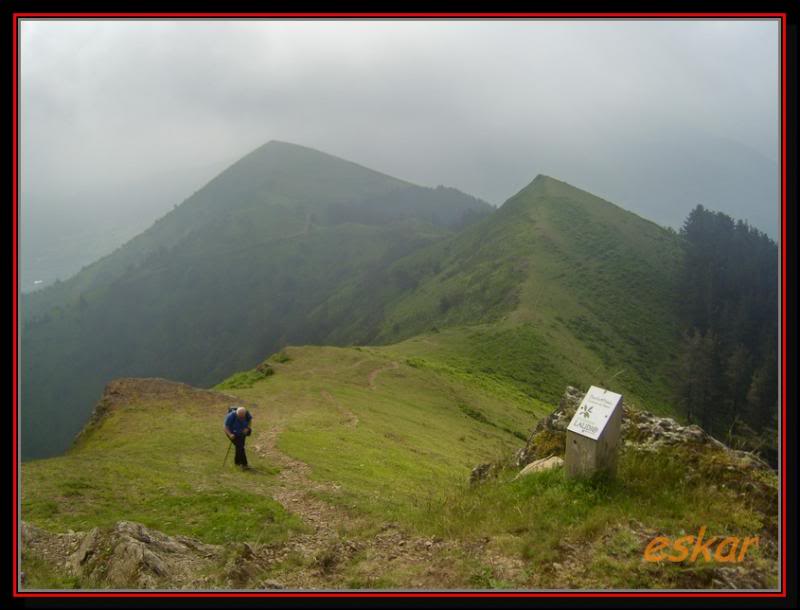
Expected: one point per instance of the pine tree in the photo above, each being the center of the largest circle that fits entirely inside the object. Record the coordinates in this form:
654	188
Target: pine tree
729	311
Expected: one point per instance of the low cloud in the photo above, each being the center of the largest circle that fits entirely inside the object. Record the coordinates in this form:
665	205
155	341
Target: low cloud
480	105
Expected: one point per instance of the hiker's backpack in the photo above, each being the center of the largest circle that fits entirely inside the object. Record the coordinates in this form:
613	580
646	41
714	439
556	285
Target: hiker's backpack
233	410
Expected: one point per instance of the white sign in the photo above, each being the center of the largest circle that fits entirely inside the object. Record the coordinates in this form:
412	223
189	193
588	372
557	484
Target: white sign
596	409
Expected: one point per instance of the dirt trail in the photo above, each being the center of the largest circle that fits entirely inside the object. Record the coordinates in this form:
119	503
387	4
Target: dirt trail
333	369
337	539
391	366
335	552
334	540
295	491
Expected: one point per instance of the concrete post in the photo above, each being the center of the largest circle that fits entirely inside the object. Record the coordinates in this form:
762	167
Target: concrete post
593	434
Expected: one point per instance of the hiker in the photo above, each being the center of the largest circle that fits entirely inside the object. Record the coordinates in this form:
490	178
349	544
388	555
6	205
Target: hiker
237	427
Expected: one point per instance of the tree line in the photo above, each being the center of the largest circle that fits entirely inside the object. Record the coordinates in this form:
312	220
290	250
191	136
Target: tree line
729	310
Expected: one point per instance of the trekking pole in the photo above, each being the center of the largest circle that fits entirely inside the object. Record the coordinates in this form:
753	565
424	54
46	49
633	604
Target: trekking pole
227	453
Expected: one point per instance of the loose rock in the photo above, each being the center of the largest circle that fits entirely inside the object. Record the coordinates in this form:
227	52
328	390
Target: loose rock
548	463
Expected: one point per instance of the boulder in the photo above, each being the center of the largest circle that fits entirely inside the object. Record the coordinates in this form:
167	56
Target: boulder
541	465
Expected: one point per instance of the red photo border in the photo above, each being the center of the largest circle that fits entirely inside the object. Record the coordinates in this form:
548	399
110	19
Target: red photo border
782	16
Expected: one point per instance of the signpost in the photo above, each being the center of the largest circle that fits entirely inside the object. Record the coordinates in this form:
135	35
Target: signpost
593	434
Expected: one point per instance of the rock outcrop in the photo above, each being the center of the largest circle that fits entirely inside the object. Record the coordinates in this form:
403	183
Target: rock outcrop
126	556
699	457
641	431
702	456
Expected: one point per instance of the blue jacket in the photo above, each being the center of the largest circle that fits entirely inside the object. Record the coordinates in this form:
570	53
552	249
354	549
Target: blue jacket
236	425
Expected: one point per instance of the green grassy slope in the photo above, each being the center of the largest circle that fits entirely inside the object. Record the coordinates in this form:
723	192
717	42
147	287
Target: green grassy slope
226	277
390	442
156	459
416	431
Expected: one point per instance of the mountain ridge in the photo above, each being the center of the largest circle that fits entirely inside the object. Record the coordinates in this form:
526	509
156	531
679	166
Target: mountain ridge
576	271
220	280
271	265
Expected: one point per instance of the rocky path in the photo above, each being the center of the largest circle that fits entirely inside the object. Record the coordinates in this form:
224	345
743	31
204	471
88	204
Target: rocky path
297	493
337	537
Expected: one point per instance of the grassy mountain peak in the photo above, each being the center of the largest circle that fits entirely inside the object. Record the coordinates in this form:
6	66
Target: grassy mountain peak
547	189
558	286
300	174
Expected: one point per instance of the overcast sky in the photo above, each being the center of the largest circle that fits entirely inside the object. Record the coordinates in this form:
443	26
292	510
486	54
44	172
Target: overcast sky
482	106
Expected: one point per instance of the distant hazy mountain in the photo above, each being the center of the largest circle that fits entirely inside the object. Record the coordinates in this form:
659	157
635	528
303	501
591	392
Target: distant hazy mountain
663	175
59	238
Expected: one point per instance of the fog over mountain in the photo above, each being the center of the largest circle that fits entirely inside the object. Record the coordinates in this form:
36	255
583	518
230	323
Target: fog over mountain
59	240
121	120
